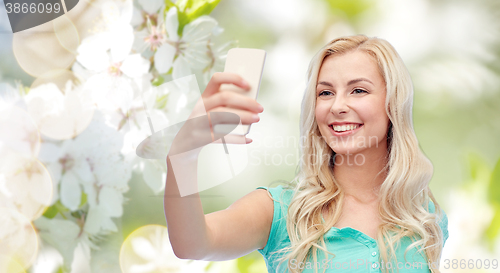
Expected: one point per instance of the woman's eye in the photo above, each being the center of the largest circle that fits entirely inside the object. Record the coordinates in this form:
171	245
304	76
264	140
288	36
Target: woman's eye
325	92
359	91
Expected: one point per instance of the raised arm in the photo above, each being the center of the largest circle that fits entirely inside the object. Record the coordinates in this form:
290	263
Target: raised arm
226	234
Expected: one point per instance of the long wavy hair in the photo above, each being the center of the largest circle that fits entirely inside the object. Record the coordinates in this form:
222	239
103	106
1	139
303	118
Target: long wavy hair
403	196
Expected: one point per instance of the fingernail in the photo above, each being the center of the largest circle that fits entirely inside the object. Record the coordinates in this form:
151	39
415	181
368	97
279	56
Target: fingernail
244	83
255	117
261	108
249	140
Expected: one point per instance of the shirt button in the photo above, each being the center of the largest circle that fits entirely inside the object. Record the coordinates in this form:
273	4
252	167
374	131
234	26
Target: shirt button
374	266
374	253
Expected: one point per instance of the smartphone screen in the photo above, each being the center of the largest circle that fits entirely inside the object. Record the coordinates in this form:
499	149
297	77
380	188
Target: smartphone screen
249	64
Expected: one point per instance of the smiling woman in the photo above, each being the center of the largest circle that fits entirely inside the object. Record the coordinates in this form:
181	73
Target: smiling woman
361	194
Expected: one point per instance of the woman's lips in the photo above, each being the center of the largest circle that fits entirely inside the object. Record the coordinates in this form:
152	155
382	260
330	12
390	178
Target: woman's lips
345	133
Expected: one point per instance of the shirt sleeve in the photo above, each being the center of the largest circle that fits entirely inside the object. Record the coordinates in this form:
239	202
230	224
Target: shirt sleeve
443	221
278	223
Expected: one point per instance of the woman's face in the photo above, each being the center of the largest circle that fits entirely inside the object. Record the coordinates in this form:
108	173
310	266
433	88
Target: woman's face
350	98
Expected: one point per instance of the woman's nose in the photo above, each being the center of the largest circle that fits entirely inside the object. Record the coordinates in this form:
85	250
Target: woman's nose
339	106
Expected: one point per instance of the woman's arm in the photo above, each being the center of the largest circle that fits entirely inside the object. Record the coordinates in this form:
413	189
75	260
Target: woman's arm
223	235
226	234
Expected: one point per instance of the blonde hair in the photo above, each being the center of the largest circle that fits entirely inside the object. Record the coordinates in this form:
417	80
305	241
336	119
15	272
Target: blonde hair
404	194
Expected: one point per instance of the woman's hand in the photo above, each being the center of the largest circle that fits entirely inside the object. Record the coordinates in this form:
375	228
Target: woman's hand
197	131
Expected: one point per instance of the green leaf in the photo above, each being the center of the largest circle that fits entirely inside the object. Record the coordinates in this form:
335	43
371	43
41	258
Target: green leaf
201	8
169	4
183	21
494	187
83	200
182	5
51	212
77	214
189	10
60	207
494	228
161	101
158	81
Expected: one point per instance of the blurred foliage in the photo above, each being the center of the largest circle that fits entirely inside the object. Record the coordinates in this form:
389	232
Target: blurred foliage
253	33
481	173
350	8
494	199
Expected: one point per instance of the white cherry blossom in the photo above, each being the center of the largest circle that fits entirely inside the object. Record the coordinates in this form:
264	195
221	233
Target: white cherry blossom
93	164
58	114
107	54
190	48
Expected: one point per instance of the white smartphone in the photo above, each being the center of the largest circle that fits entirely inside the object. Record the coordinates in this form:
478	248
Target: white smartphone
249	64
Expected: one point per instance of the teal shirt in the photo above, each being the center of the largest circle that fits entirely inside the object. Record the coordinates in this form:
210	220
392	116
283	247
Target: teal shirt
354	251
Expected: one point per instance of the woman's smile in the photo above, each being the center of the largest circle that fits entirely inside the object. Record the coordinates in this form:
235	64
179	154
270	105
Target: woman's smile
345	130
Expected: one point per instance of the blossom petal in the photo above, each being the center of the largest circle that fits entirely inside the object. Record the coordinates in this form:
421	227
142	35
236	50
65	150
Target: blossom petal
49	152
110	92
126	11
199	30
135	66
122	39
143	268
164	57
8	95
151	6
97	220
172	24
55	170
92	52
71	192
181	68
143	248
136	17
83	170
111	202
154	175
62	234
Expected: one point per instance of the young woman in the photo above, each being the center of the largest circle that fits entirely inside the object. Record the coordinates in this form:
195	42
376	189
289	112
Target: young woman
361	200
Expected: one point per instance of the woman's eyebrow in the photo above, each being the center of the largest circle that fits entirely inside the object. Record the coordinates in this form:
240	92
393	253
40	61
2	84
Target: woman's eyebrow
359	80
325	83
353	81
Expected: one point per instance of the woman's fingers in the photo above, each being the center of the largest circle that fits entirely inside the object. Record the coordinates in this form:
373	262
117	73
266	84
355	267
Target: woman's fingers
220	78
220	115
233	139
233	100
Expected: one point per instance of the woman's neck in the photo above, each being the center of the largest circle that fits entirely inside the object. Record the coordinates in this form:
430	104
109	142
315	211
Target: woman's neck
361	174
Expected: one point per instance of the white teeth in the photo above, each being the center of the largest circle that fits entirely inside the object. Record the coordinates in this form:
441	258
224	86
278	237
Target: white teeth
343	128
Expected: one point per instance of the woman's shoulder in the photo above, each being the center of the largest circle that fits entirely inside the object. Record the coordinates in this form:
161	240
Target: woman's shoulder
281	196
281	193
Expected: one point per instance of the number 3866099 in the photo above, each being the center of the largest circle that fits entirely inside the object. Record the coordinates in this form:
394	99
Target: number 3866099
33	7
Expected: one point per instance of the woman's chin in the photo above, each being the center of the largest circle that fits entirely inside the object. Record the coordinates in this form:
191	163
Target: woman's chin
346	150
